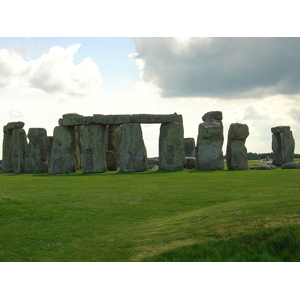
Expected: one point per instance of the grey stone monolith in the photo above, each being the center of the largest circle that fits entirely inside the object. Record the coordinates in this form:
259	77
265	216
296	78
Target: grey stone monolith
7	165
93	149
283	145
49	153
114	140
63	159
78	146
189	147
133	151
171	147
19	143
236	152
209	154
37	151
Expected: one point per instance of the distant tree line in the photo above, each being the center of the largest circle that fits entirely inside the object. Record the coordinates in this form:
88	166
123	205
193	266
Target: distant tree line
259	156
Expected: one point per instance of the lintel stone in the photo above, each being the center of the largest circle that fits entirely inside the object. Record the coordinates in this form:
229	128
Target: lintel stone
279	129
74	121
149	118
215	115
111	119
15	125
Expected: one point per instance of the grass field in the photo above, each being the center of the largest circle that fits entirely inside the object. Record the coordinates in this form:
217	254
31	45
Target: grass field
189	215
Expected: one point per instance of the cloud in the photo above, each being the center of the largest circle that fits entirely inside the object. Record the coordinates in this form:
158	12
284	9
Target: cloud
12	68
16	113
56	72
53	72
232	68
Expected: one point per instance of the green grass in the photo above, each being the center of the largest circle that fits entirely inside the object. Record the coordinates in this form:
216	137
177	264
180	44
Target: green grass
131	217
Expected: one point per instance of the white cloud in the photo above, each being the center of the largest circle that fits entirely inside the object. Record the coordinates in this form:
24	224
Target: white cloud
56	72
12	68
53	72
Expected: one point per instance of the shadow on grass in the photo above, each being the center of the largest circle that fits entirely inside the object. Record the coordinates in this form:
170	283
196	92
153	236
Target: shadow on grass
279	244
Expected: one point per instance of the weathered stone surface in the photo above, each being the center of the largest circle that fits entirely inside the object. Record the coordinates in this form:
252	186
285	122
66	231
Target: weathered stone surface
15	125
171	148
19	143
153	161
111	161
78	146
7	165
111	119
209	154
63	150
213	115
114	141
93	149
49	153
148	118
279	129
133	151
236	154
75	121
190	163
263	167
283	146
189	147
37	151
291	165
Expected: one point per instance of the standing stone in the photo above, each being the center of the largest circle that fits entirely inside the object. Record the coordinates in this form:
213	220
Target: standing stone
133	151
19	143
209	154
78	146
236	154
283	145
189	147
63	150
7	146
93	149
171	148
49	153
114	140
7	165
37	151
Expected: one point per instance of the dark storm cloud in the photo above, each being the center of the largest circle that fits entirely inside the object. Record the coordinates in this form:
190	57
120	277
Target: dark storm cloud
221	67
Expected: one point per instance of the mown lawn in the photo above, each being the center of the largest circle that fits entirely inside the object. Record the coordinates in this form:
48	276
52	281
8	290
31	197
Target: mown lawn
131	217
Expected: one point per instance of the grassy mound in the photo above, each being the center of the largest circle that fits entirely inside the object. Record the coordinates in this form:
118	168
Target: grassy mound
280	244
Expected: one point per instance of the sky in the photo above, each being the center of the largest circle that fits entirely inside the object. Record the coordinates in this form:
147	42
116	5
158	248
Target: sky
254	81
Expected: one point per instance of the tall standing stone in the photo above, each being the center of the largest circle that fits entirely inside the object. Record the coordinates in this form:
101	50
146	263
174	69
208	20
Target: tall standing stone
70	119
209	154
63	159
49	153
7	165
114	140
93	149
37	151
283	145
189	147
133	151
171	147
7	146
236	153
19	143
